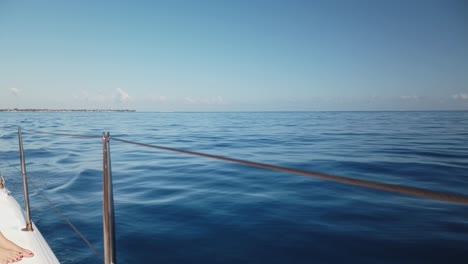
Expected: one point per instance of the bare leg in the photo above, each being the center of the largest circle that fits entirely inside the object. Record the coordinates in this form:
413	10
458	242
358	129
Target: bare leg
6	244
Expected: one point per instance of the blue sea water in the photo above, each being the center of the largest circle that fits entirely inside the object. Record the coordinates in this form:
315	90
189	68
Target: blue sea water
174	208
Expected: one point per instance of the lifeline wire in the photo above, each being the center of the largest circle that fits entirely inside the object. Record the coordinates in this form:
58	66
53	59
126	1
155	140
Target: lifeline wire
449	197
456	198
65	218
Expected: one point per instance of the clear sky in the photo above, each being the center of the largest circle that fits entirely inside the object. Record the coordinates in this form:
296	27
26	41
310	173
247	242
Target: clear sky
235	55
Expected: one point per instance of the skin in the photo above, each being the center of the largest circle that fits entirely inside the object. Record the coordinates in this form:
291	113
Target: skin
10	252
9	256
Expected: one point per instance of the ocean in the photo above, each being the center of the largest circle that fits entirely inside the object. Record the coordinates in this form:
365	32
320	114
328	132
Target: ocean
175	208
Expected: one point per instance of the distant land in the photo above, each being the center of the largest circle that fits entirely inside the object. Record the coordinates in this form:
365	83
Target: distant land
64	110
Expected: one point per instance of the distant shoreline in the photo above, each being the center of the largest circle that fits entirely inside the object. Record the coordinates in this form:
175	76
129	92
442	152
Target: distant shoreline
65	110
45	110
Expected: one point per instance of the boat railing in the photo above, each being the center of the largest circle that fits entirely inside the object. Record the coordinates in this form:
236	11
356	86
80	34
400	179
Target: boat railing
108	203
25	183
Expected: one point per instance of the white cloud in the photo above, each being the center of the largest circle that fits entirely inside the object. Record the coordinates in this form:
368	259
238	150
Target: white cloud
410	97
462	96
190	100
103	97
15	91
122	95
158	99
152	99
219	99
95	97
85	95
205	101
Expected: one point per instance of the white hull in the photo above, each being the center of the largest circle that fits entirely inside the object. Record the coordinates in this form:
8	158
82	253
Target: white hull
11	224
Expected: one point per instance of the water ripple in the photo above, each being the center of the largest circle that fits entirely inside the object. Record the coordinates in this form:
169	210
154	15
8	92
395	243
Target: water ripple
172	208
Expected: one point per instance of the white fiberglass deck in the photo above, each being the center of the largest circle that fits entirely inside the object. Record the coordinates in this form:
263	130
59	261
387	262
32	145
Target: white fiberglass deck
11	224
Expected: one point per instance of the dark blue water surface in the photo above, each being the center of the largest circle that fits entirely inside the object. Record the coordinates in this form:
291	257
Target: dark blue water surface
174	208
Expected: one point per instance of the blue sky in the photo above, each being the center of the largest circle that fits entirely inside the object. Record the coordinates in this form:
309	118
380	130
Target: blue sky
234	55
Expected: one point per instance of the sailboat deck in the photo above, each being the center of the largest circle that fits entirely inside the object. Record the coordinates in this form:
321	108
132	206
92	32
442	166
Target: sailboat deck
11	224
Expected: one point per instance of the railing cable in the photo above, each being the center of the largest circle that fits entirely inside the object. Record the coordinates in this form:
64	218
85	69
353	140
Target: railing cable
450	197
64	217
420	192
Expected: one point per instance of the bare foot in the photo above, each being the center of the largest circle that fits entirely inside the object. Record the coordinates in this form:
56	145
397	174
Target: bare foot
8	245
9	256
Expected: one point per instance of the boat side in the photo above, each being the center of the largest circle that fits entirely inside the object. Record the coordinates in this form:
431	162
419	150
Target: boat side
12	224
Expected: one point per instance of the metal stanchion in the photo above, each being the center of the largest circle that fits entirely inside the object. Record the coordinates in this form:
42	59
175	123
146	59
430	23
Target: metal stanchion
108	203
25	184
